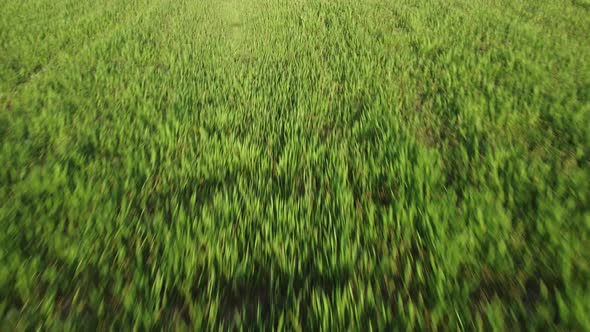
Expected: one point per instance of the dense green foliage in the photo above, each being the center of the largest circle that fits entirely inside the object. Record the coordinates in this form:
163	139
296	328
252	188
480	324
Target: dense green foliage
295	165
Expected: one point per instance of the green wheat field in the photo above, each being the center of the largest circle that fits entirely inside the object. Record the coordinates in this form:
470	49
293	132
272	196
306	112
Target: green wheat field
301	165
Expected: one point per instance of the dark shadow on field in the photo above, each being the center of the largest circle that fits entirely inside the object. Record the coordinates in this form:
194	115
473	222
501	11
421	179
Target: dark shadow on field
585	4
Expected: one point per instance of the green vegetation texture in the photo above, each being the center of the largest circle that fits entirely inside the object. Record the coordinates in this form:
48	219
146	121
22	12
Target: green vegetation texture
295	165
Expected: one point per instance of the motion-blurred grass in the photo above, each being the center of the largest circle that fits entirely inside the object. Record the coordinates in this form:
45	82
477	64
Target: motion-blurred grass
296	165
